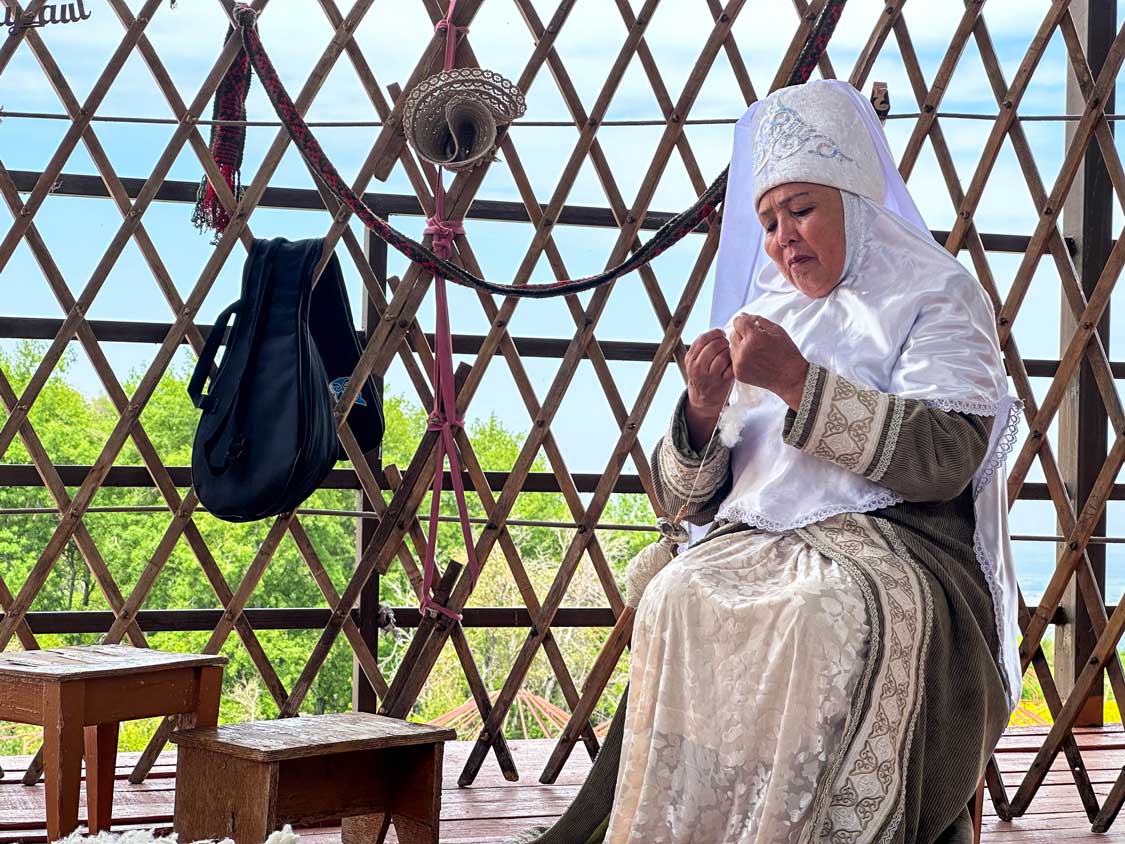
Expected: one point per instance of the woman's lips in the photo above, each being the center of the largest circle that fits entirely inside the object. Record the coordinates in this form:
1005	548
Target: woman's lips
799	259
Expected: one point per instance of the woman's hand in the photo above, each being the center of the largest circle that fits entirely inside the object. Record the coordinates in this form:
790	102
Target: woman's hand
709	371
763	354
710	374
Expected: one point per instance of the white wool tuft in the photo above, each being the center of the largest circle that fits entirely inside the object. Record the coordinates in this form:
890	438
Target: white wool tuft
744	397
285	835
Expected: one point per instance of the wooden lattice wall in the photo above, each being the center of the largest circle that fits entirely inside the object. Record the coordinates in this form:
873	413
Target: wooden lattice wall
1083	259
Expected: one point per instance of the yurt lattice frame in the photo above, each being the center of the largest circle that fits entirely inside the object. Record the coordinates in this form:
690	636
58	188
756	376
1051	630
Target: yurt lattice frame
1083	399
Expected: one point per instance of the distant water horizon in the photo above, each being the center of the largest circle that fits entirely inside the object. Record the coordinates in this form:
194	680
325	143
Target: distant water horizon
1035	563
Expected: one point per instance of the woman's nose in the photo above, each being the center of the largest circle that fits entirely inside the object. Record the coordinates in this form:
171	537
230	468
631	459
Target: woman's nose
786	231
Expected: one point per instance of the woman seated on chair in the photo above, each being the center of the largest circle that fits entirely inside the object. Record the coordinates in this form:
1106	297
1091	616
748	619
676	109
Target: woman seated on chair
836	659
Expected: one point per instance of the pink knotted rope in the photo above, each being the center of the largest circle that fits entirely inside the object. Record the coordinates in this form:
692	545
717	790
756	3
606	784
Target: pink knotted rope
451	33
445	417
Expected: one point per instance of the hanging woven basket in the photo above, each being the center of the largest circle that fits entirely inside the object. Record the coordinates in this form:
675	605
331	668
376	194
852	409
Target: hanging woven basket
454	118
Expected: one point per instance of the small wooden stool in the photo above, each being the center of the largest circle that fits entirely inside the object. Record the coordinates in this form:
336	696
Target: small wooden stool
85	692
243	781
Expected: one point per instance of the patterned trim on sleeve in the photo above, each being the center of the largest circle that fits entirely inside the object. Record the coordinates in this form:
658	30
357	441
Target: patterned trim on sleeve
890	441
687	478
797	425
852	426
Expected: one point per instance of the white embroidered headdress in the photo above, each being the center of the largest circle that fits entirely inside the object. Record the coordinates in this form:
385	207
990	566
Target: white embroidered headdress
906	318
836	151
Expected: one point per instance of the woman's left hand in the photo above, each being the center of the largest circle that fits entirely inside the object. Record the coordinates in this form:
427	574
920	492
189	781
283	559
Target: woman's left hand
764	355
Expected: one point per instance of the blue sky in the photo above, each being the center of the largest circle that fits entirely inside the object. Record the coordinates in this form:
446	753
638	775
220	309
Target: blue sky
392	35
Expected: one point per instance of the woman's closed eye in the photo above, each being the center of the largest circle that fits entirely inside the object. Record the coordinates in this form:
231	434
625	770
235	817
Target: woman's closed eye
771	225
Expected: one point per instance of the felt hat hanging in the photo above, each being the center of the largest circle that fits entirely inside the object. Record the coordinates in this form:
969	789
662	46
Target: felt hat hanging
454	119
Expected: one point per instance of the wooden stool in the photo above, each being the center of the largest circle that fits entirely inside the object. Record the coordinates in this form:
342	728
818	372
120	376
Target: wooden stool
243	781
85	692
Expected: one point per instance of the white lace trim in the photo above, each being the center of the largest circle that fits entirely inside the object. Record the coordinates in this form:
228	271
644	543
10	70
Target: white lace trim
975	407
985	558
987	565
857	228
1004	447
736	512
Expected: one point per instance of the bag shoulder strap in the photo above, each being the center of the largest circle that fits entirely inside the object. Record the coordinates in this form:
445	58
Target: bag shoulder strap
207	358
255	283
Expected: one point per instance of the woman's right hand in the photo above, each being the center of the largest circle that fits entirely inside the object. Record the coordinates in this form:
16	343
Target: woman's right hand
710	374
710	371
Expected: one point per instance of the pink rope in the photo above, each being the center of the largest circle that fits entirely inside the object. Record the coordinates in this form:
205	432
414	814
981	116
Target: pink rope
445	417
451	33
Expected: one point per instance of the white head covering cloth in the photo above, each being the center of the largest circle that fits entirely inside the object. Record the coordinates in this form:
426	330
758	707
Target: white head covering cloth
907	318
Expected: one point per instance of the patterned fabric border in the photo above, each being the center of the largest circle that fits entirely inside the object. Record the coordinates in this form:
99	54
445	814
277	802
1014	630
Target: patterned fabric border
889	441
688	478
854	427
797	423
862	801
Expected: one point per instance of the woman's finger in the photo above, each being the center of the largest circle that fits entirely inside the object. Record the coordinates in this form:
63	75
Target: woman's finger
708	336
718	342
718	365
742	323
693	352
709	354
702	341
723	356
689	358
765	334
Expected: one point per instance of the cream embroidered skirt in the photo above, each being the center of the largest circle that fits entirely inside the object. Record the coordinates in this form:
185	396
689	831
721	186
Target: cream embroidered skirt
747	651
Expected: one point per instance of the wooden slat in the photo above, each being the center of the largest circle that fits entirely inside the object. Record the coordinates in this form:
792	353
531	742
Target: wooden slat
494	809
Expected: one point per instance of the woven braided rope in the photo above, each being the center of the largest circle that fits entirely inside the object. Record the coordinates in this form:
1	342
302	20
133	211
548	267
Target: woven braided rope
667	235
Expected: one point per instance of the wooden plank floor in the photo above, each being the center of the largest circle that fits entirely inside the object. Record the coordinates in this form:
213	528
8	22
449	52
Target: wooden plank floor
492	809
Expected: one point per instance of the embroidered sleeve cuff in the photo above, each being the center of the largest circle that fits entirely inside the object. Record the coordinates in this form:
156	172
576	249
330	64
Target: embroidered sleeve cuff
797	427
683	468
852	426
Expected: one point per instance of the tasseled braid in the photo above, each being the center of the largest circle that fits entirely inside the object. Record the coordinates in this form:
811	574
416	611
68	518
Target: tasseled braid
228	141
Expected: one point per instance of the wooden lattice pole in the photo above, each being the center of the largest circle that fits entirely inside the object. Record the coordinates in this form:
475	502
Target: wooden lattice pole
1087	321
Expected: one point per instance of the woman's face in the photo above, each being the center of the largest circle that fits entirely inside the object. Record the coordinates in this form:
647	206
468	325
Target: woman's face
804	226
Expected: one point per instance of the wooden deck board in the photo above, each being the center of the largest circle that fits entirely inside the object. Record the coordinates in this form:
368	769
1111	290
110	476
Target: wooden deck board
493	810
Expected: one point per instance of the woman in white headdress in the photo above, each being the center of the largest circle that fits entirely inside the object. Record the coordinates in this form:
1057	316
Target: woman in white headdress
836	658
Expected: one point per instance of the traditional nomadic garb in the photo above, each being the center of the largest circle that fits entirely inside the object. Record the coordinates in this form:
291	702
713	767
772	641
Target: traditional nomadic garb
835	660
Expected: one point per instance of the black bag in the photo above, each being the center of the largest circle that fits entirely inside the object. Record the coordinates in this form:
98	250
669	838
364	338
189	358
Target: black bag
267	436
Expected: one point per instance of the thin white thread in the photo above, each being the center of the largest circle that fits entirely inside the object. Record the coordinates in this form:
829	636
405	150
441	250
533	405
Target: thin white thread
680	514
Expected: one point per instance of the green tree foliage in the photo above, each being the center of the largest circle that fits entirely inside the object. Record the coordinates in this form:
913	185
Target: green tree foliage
73	428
